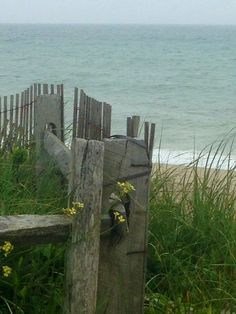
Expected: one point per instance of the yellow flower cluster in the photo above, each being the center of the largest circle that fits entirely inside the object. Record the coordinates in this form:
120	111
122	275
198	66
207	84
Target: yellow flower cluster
6	270
118	216
125	187
70	211
7	248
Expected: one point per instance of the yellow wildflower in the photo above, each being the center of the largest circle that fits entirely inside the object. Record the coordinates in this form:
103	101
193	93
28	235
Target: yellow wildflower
125	187
70	211
7	248
78	205
118	216
121	219
6	271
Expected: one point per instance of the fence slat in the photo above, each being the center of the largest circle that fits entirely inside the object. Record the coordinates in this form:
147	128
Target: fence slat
81	118
35	90
45	89
52	89
59	89
98	121
21	126
31	104
39	89
62	114
151	141
106	120
146	134
76	99
11	120
93	120
27	116
17	103
129	127
87	117
135	125
5	121
83	252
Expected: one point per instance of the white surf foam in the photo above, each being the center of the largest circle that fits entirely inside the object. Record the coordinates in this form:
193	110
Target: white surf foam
186	157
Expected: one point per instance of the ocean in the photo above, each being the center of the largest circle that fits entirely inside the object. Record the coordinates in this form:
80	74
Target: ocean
183	78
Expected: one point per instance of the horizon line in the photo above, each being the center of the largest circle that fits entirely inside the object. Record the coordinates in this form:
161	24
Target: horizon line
118	24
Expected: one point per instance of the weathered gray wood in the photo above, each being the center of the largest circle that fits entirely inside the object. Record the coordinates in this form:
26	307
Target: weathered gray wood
16	121
47	111
35	91
135	125
95	120
24	119
39	89
146	134
76	99
151	141
35	229
87	117
47	115
31	102
83	252
92	122
59	89
98	120
122	265
81	118
106	120
11	119
5	121
129	127
27	116
38	229
17	110
21	126
62	114
52	89
45	89
58	151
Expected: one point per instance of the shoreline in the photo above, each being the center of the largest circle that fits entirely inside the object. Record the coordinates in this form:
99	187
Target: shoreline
178	173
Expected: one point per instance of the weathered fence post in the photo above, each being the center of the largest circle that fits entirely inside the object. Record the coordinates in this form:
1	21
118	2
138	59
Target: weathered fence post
83	253
122	265
47	113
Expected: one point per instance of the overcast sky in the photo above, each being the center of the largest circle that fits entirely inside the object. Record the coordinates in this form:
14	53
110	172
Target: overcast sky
119	11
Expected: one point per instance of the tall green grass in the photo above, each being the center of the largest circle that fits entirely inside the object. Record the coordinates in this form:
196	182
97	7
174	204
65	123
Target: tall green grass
36	283
192	239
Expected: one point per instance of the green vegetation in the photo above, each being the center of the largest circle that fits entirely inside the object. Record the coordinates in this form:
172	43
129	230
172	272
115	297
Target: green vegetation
192	240
36	282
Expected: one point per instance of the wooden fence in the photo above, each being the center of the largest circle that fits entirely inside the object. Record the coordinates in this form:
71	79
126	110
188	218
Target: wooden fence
105	261
17	114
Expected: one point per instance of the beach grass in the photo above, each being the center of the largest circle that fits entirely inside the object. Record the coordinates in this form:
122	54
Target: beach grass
192	238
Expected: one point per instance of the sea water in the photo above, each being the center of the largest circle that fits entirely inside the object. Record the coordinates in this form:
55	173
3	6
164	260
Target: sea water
183	78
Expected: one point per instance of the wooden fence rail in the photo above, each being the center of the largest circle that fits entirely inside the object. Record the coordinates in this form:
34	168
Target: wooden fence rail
105	260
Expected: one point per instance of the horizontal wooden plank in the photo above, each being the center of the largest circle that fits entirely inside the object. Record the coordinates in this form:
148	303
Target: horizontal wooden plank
40	229
33	229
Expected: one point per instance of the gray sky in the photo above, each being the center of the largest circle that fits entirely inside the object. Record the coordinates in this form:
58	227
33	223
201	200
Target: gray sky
119	11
